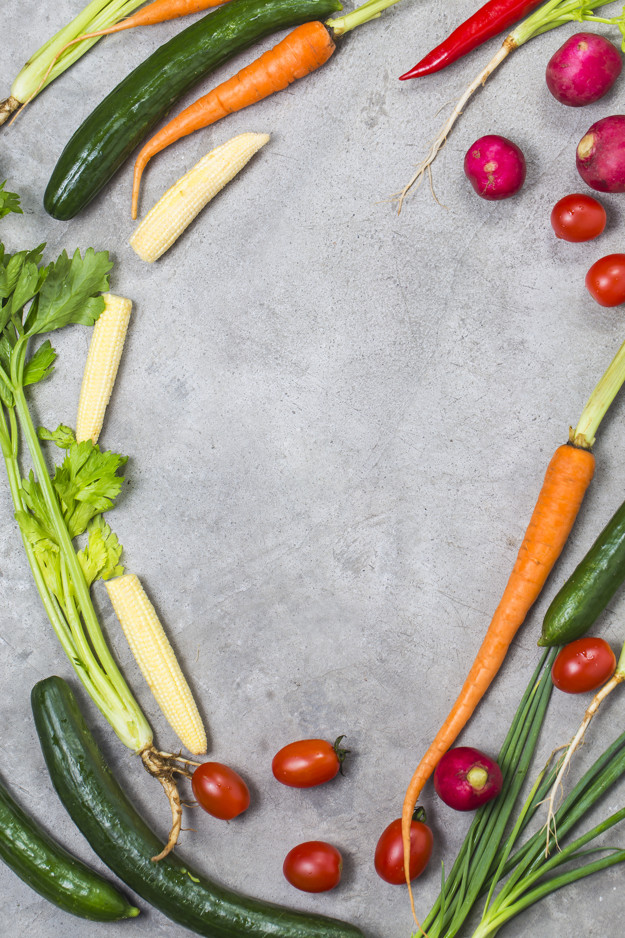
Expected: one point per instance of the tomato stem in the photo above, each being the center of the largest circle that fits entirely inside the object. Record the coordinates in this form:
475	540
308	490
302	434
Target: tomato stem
340	753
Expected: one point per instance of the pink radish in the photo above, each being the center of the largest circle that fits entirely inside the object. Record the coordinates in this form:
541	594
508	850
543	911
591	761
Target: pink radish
495	167
601	155
583	69
465	778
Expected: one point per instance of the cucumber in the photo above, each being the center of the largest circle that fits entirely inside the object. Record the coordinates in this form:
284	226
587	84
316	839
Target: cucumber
122	839
105	140
590	587
50	870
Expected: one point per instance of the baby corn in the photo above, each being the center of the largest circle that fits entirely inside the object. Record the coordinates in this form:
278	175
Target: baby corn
175	211
105	351
157	660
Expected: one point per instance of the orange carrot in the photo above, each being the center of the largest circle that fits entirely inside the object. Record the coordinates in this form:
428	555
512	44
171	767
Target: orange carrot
305	49
568	476
159	11
156	12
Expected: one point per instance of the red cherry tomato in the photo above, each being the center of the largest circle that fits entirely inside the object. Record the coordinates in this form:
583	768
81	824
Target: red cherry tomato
389	853
314	866
583	665
605	280
578	217
220	790
308	762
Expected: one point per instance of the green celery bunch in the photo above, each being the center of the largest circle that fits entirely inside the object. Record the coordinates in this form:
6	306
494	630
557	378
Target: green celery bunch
53	510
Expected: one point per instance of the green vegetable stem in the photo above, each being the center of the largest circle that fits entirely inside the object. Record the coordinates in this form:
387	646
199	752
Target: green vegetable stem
52	511
551	14
465	881
533	873
34	76
527	872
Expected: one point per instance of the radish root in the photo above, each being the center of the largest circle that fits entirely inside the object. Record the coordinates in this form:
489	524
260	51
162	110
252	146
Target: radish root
572	747
440	140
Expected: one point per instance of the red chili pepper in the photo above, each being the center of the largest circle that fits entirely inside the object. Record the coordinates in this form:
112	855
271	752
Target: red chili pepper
493	18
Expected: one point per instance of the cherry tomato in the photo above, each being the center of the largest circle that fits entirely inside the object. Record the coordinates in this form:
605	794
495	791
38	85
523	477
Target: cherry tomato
605	280
583	665
389	853
308	762
578	217
220	790
314	866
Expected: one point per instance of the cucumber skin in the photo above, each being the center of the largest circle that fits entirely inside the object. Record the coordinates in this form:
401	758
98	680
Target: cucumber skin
590	587
55	874
122	839
107	137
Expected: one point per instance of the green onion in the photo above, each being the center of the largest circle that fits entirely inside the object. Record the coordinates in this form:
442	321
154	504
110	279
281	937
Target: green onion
471	869
98	14
485	859
530	880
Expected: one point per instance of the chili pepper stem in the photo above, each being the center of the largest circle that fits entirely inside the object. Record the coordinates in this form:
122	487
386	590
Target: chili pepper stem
599	401
440	140
617	678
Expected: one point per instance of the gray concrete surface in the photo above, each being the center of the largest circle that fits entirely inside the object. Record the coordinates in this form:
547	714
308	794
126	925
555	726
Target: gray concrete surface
337	422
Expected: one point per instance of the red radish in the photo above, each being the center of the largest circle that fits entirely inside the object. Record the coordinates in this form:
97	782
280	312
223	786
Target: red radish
601	155
465	778
495	167
583	69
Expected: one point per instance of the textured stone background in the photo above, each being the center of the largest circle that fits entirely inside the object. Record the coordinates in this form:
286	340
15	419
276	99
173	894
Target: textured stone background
337	422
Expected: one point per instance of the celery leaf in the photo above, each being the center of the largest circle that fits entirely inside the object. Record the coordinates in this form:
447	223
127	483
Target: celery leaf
63	436
100	558
9	202
40	365
87	483
69	292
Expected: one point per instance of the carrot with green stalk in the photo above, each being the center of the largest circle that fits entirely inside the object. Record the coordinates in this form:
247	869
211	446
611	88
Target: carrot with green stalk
99	18
568	476
304	50
551	14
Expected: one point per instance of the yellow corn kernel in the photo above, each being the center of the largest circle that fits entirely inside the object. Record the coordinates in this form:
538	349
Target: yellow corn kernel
157	660
105	352
177	208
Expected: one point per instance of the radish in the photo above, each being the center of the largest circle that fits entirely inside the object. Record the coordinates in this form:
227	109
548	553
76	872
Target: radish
465	778
495	167
583	69
601	155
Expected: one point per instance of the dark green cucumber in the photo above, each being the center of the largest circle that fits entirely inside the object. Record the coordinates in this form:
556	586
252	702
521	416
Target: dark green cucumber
122	839
105	140
53	872
590	587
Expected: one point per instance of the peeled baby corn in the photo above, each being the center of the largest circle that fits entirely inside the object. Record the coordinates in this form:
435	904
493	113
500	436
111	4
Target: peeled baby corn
157	661
166	221
105	351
